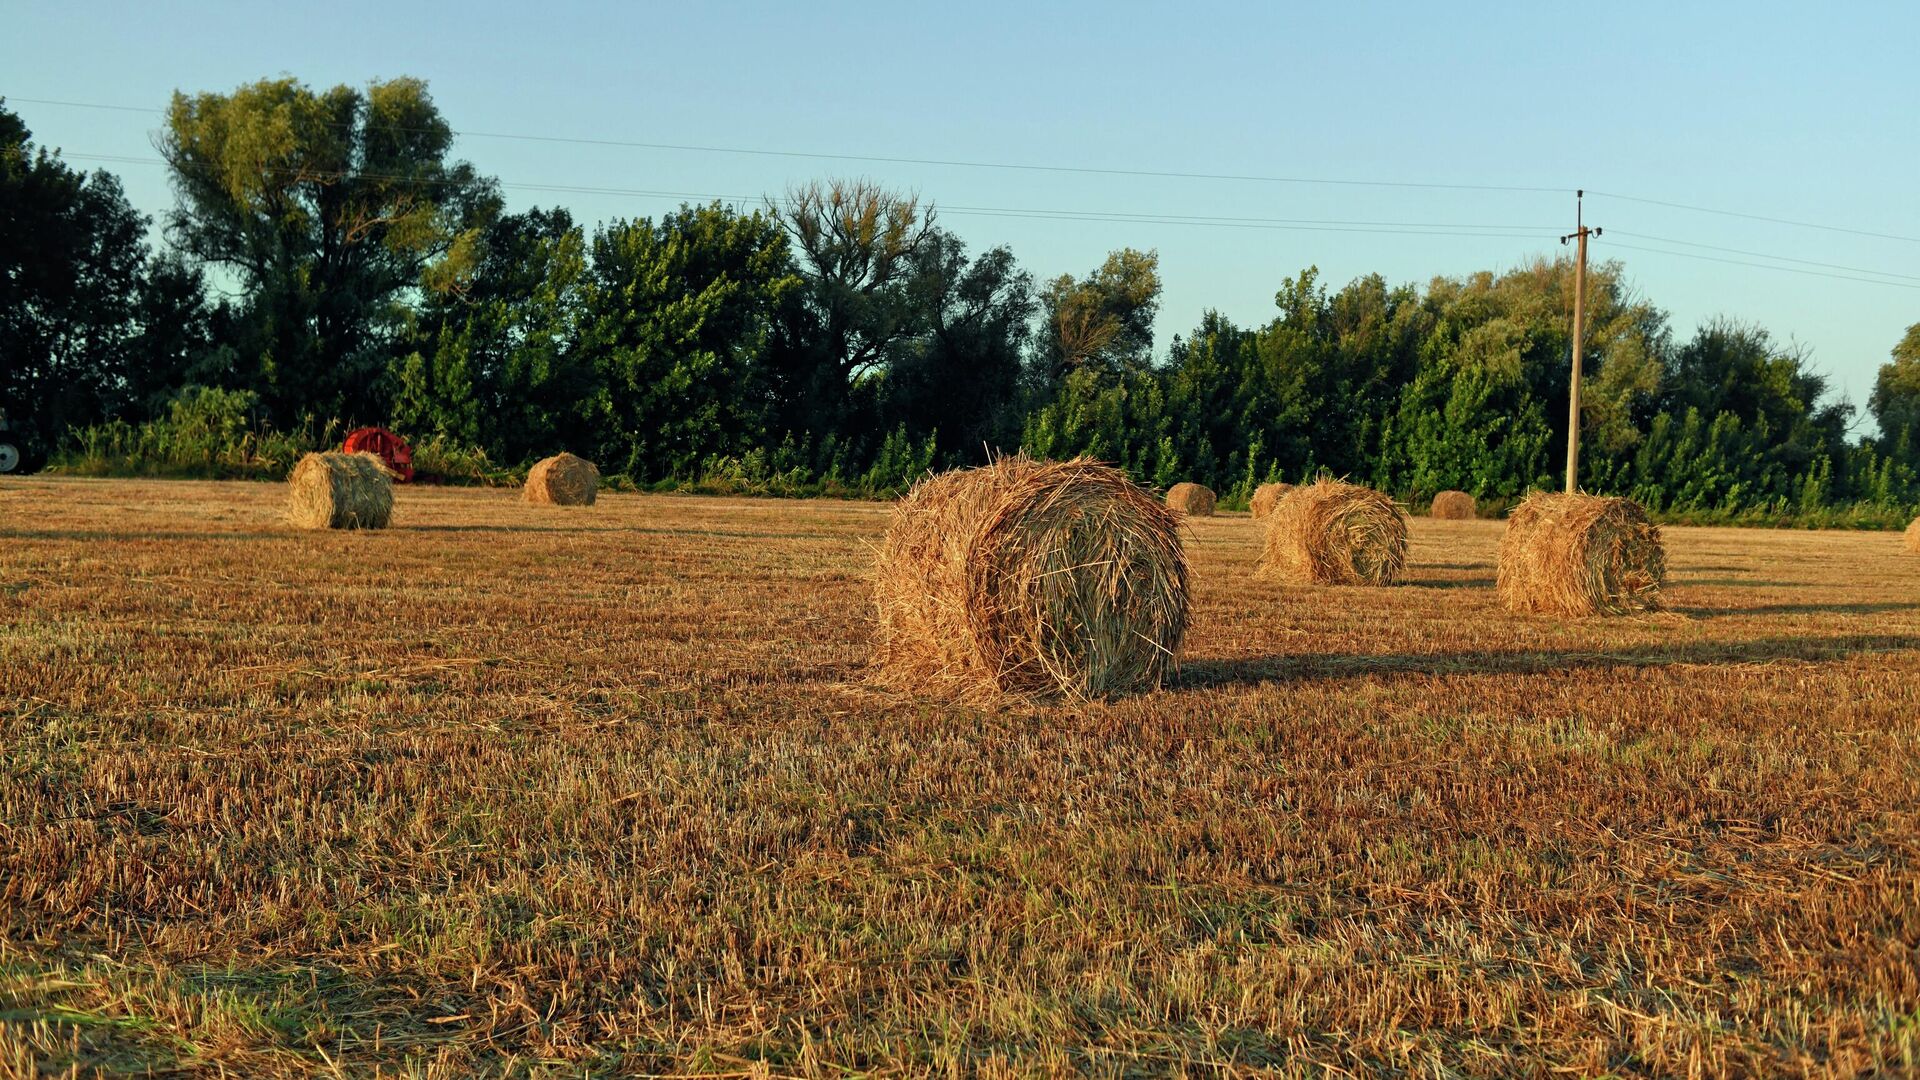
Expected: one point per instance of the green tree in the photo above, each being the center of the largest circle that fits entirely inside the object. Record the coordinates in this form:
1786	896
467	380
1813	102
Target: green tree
1283	389
858	248
494	364
674	320
1203	428
1895	401
1104	320
1623	354
1376	333
960	375
89	325
176	344
329	208
1733	369
1468	419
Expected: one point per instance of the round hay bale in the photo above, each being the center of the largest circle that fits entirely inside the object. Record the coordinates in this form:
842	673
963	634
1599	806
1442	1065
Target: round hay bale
1193	500
1454	506
1913	535
1581	555
562	480
1334	533
1030	578
1266	497
334	490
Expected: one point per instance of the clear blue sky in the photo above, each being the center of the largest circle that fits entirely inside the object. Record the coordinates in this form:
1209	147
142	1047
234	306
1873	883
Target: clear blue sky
1809	112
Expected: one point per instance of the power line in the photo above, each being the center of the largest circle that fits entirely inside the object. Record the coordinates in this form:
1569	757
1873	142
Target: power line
1759	217
1764	255
83	104
1438	229
1405	228
1766	266
1014	166
1128	218
887	160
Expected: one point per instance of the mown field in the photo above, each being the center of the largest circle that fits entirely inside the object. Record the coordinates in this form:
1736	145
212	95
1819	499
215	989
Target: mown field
530	791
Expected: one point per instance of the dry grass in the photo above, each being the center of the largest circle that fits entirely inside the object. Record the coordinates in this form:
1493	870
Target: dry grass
1913	535
1578	554
504	793
562	480
1266	497
334	490
1454	506
1193	500
1334	533
1023	578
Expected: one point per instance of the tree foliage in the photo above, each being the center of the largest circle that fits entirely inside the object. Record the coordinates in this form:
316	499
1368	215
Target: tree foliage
1106	318
90	325
493	360
674	319
1895	402
329	207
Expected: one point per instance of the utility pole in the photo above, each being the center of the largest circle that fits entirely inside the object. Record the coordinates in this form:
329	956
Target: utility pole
1581	232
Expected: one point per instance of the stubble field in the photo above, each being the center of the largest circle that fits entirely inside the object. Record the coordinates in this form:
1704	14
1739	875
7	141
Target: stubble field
530	791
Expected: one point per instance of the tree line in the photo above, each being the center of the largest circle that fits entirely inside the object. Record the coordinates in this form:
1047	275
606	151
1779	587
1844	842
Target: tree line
327	263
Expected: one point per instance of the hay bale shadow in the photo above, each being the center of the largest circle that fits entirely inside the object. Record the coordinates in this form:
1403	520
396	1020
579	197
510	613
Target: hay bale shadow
1291	667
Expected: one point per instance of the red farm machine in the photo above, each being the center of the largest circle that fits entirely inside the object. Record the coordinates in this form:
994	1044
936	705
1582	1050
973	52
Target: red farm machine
391	449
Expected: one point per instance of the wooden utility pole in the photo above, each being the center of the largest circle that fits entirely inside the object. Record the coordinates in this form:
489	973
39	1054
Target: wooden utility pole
1581	232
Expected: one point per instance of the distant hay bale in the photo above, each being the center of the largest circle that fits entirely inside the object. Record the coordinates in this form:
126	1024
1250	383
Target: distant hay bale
1030	578
562	480
1266	497
1335	533
1913	535
1193	500
1454	506
333	490
1581	555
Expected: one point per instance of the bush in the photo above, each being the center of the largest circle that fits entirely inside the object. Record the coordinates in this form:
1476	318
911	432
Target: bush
439	459
207	433
213	434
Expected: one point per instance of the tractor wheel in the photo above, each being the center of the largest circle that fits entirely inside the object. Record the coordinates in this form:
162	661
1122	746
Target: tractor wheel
13	456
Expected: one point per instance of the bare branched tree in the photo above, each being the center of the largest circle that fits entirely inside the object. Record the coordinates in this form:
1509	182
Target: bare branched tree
857	241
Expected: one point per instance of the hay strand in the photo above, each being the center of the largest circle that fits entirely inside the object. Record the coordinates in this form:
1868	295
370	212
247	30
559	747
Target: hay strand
1581	555
1334	533
1454	506
1266	497
1033	579
562	480
1193	500
335	490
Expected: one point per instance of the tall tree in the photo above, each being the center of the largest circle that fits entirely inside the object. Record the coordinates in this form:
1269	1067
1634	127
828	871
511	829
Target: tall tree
959	377
674	320
1742	422
1895	401
857	245
1104	320
329	207
88	327
1206	422
1468	419
494	363
1283	389
1735	368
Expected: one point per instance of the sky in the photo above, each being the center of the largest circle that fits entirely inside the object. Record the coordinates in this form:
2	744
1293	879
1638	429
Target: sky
1804	113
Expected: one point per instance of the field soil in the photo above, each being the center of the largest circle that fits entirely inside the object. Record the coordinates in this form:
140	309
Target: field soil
538	791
